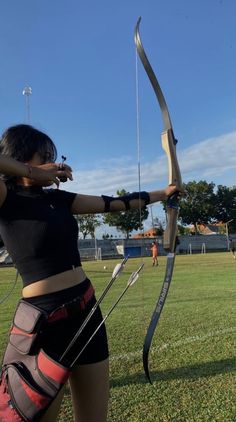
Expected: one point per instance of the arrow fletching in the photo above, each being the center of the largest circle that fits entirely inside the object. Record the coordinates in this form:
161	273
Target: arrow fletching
134	276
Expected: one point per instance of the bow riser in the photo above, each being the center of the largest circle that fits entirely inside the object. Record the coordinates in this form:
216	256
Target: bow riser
169	146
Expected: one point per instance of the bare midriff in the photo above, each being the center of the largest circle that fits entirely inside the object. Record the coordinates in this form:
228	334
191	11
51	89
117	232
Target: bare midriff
55	283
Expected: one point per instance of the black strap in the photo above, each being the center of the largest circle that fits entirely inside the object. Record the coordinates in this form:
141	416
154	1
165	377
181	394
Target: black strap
144	196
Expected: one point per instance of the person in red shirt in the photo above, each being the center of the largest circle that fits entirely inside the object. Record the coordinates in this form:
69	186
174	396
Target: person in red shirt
154	249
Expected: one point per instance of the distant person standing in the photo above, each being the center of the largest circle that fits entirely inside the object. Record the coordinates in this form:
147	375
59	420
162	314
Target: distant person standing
232	247
154	249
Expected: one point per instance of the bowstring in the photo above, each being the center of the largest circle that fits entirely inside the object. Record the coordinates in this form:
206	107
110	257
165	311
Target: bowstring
8	294
138	141
138	130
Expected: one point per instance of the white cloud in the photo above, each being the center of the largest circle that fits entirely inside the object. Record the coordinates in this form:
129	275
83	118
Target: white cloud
213	159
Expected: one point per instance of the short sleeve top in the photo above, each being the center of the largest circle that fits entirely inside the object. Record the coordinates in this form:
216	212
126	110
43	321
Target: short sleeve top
39	231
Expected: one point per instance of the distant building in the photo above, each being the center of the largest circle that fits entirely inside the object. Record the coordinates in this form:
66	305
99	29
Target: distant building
149	233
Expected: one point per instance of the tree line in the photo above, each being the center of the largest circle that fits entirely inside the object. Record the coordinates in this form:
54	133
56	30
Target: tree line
204	203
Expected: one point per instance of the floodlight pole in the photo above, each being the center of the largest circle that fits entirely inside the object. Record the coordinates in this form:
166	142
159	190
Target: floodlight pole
150	206
95	246
27	91
227	232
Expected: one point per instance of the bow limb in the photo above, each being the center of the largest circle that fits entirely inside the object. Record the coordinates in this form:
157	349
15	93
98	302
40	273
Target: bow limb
169	239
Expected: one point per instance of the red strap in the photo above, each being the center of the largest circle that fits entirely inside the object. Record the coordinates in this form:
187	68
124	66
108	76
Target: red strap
63	312
15	330
58	314
52	369
86	297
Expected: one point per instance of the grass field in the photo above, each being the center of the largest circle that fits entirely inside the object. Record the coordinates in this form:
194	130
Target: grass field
193	355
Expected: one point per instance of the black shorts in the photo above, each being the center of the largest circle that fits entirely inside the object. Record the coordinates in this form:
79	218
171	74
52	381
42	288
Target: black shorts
57	335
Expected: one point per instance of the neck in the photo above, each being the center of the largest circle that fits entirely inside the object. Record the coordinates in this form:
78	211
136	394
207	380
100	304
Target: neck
25	181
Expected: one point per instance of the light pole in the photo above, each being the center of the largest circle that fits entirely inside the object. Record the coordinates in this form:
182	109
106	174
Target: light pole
227	231
95	246
27	91
150	206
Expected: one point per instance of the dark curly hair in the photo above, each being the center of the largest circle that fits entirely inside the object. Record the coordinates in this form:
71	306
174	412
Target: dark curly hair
22	141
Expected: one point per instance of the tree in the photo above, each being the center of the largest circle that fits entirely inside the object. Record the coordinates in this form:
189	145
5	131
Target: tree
107	236
198	206
225	206
158	226
126	221
88	223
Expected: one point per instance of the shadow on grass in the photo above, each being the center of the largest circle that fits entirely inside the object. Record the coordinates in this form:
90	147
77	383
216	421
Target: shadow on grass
201	370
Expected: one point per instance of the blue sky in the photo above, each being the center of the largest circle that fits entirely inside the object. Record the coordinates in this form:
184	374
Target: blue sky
79	59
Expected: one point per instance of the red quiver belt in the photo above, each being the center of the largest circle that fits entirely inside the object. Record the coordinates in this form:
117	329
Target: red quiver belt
30	379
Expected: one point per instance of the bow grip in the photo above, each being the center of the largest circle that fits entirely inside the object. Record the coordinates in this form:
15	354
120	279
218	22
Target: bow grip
169	236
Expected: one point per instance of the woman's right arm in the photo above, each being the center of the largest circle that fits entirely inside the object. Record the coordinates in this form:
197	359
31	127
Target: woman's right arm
45	174
12	167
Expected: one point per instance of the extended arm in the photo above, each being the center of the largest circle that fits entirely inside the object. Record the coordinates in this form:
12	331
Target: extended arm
89	204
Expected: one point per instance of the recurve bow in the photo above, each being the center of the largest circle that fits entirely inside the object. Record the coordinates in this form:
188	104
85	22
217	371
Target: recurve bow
169	238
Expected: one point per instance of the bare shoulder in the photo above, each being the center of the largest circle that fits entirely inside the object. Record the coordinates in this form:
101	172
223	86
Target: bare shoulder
3	192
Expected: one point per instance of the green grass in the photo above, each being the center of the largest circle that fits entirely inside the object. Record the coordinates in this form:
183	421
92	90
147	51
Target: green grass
192	359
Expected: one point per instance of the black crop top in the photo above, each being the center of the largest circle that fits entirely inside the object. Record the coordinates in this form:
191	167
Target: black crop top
39	231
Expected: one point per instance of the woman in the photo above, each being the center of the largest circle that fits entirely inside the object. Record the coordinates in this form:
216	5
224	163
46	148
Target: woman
40	234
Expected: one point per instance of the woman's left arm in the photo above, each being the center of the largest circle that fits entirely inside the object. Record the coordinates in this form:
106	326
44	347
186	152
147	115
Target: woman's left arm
89	204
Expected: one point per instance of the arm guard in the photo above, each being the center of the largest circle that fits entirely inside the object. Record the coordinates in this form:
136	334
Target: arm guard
143	196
